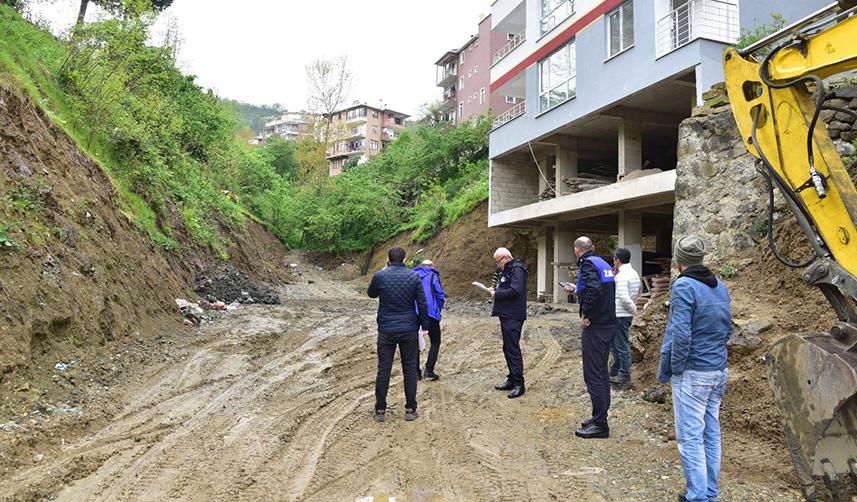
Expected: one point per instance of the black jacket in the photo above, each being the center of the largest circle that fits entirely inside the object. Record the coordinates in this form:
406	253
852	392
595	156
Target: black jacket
510	299
597	298
397	289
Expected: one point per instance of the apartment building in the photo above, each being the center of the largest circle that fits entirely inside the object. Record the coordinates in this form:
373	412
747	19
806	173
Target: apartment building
590	146
464	76
289	125
361	131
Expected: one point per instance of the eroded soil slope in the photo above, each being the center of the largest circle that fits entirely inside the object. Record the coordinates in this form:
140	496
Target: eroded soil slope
76	275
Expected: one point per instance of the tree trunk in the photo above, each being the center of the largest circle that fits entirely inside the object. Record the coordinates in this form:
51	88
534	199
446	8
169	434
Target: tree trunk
81	13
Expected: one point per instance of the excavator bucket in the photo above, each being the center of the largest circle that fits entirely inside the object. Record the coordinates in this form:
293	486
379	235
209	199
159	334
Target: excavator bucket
814	379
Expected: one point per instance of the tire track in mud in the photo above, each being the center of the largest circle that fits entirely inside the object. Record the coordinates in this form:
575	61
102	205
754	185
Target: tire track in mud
173	463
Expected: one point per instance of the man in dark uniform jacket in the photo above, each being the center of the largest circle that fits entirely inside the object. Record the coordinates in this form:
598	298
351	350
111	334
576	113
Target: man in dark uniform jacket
510	305
596	294
398	290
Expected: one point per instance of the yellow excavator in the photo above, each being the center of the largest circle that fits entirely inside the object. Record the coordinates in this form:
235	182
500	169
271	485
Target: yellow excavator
777	91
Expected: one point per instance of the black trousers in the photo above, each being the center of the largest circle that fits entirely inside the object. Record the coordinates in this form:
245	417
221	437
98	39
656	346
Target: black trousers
596	343
511	330
409	351
434	338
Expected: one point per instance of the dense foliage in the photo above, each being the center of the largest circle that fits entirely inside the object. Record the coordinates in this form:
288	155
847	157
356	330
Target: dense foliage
254	116
175	156
426	179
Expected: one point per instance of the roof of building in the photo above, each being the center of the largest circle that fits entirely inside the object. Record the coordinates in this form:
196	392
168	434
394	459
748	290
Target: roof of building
364	105
453	53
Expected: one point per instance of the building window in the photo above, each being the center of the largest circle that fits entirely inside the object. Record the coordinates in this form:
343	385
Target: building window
482	96
374	113
374	130
510	36
476	68
398	120
557	77
510	100
461	108
620	28
554	12
461	58
461	83
373	144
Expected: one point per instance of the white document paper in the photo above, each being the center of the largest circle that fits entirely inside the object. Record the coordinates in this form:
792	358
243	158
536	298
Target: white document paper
481	286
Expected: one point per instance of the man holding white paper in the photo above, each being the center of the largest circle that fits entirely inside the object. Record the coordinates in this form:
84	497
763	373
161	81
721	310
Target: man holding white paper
510	305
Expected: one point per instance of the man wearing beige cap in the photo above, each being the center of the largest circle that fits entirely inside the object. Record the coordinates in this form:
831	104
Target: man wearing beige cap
693	360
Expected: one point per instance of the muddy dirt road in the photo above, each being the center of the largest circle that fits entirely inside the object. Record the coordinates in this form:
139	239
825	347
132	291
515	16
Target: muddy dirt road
274	403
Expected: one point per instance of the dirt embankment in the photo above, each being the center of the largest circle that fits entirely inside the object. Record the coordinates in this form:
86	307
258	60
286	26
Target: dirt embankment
76	275
464	252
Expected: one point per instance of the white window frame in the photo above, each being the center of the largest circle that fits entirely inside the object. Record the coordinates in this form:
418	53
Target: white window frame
373	144
482	96
461	108
511	100
552	15
475	69
566	84
461	58
460	83
624	45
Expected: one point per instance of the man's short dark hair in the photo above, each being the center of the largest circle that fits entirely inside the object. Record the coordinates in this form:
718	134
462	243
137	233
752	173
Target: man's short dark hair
623	255
396	255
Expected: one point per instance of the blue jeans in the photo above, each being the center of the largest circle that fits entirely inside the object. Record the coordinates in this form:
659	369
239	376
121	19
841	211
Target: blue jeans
696	404
621	349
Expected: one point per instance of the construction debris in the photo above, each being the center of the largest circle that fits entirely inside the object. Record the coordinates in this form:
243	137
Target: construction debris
549	192
586	181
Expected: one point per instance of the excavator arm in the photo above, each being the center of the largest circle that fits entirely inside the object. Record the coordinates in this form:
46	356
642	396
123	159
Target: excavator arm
777	101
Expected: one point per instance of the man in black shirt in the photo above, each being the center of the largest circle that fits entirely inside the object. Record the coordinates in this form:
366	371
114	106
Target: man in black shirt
510	305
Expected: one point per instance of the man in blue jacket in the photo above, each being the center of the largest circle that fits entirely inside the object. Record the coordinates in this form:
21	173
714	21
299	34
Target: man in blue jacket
510	305
596	296
435	298
398	289
693	359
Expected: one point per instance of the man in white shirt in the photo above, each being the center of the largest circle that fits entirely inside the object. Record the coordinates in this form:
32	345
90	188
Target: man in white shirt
627	289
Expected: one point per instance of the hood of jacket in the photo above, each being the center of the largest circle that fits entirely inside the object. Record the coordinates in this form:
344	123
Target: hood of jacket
425	271
701	274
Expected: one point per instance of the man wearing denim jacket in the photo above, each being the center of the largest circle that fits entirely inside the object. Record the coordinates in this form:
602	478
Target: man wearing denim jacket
693	359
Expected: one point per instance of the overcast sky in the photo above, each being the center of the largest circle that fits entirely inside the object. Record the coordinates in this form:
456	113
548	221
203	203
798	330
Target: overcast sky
256	50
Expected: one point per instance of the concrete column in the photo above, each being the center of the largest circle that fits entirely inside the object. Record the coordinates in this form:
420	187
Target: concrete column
566	166
562	256
543	164
543	263
631	237
630	147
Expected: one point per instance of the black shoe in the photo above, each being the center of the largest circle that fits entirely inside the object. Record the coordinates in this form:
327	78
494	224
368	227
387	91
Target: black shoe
517	391
626	385
507	385
431	375
411	415
614	372
585	423
379	415
419	374
593	431
682	497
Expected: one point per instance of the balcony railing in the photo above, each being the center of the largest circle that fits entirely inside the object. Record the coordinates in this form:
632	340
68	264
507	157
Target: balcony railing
509	47
711	19
510	114
446	74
